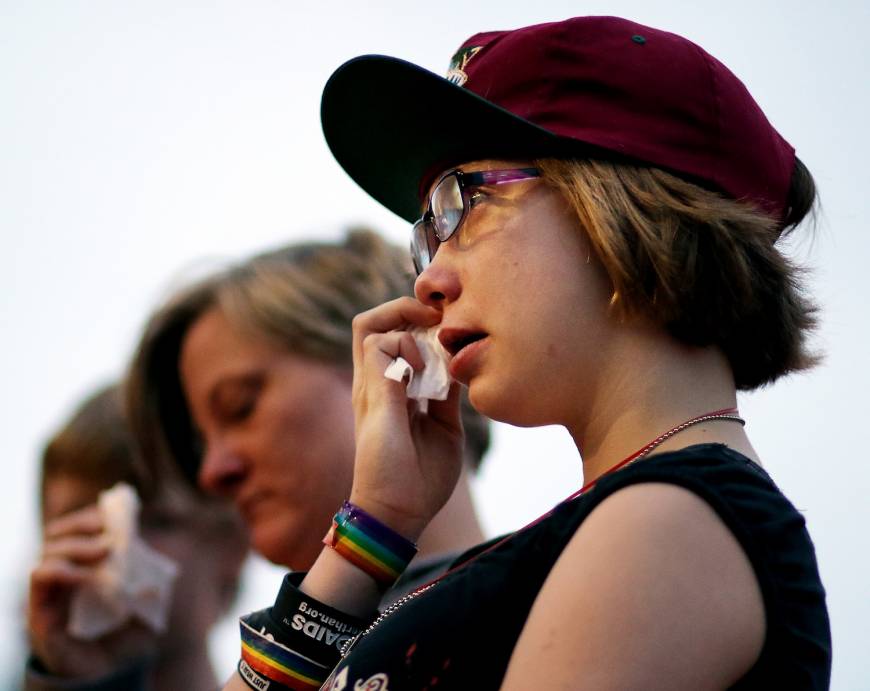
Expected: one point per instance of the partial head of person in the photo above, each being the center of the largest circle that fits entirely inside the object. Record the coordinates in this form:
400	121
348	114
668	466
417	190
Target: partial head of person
583	178
93	451
244	380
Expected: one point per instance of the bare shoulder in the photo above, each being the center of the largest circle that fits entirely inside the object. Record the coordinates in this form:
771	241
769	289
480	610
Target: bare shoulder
653	591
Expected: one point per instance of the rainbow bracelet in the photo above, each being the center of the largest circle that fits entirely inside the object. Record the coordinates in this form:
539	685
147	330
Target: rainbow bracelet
369	545
264	660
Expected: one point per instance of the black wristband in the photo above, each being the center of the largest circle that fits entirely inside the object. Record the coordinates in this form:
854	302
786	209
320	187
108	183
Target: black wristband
311	625
296	642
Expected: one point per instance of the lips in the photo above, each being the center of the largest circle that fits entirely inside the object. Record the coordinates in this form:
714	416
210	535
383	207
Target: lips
455	340
465	347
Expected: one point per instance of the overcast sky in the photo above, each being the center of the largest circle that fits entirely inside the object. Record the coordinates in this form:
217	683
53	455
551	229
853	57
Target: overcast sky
141	142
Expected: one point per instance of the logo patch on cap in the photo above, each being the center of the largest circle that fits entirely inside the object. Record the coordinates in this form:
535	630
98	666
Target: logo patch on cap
458	62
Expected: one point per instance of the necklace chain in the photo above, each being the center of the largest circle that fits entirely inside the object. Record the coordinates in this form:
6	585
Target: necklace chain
679	428
726	414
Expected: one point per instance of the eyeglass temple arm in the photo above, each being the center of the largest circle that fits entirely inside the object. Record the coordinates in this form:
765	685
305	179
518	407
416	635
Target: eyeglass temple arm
498	177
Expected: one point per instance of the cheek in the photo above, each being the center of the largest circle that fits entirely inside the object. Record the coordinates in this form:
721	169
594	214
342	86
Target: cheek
292	537
307	462
318	435
553	325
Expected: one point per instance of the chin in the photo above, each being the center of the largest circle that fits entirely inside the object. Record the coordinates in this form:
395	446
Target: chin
274	540
518	406
496	404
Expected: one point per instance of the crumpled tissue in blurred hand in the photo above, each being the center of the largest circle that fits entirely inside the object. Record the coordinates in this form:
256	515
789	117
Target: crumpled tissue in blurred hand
134	581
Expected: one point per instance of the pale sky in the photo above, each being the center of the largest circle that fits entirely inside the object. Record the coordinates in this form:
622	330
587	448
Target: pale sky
144	141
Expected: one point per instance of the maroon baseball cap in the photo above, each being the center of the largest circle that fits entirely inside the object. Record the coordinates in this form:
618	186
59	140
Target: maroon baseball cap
588	86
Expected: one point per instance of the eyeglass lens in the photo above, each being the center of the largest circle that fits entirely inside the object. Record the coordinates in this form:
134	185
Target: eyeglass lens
424	244
447	207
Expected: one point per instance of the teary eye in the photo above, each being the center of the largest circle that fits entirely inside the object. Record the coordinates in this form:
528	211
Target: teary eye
475	197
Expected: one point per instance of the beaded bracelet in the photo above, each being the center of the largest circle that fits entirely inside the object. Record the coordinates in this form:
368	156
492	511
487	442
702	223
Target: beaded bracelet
369	545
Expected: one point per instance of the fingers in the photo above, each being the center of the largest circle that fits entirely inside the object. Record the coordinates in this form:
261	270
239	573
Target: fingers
448	412
377	350
388	346
85	521
370	386
77	538
391	316
79	549
52	584
56	571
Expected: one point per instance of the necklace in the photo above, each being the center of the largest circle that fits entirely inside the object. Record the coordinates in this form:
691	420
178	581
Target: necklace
724	414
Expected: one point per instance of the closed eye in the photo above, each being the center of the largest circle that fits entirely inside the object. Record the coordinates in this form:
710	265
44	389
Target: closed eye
238	410
235	400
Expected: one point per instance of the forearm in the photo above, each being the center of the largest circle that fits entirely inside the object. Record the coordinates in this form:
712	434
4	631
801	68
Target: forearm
336	582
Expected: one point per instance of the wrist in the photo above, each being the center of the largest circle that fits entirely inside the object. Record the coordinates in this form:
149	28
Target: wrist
131	675
335	581
370	545
409	525
71	665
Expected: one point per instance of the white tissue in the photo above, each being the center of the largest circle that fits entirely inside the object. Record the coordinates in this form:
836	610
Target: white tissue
134	581
433	382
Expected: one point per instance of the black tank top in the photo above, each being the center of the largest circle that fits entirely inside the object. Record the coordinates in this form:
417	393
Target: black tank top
461	632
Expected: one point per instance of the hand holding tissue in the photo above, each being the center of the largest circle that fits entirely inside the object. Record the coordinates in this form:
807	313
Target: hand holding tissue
133	582
433	382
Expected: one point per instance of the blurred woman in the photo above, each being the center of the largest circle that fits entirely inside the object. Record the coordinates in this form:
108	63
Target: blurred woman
91	453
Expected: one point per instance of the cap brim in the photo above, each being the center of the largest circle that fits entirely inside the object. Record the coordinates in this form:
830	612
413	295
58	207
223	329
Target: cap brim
392	124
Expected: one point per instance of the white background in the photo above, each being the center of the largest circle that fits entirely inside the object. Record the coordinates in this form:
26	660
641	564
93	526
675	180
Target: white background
140	141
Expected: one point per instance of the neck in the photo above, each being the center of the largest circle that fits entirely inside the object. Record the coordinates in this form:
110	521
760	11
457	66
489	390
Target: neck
455	527
185	667
655	385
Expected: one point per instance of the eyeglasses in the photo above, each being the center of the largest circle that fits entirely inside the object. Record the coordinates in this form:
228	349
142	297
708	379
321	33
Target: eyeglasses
449	203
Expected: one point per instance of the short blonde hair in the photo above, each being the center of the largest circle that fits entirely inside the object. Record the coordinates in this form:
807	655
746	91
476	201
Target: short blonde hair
302	297
704	266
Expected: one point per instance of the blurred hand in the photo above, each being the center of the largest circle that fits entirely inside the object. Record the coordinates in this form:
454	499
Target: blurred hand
407	463
74	545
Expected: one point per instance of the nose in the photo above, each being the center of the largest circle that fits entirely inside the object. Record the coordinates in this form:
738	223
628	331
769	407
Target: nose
439	283
222	470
